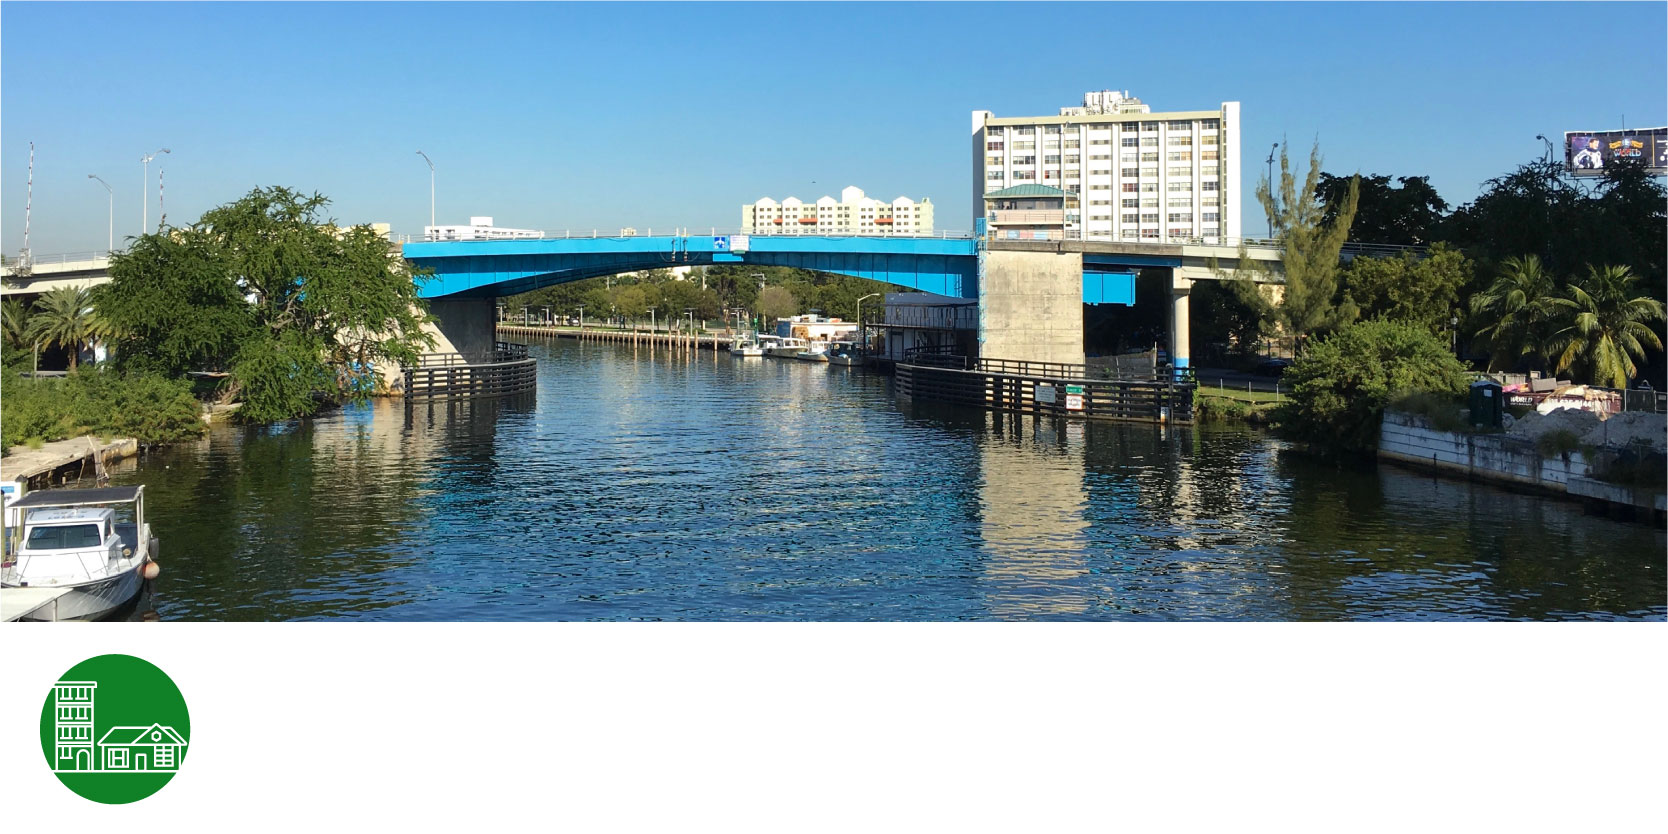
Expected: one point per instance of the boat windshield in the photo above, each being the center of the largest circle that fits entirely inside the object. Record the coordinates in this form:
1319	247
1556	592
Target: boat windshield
63	536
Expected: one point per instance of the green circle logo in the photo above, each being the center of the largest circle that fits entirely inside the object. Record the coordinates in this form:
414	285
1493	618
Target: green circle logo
115	729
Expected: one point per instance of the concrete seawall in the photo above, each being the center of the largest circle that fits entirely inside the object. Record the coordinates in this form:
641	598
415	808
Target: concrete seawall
1505	459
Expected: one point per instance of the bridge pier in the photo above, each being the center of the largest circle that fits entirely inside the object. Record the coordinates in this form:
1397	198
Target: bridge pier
1031	306
1180	311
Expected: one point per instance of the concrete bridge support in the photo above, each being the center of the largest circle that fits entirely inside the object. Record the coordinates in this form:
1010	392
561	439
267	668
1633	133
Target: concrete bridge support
1031	306
1180	291
468	325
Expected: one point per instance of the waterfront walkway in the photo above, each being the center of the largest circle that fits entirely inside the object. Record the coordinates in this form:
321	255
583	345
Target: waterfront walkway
24	463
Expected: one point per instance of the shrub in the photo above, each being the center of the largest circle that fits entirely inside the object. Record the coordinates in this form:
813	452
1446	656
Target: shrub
148	408
1342	382
1442	412
1220	408
1557	443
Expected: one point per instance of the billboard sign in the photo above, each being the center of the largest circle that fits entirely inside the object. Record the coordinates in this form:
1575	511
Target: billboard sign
1589	152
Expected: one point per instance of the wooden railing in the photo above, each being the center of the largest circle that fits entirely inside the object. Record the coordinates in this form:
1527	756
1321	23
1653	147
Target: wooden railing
1154	400
450	375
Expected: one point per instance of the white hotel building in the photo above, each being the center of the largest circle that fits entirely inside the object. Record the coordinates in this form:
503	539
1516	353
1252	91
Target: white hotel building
1137	175
854	214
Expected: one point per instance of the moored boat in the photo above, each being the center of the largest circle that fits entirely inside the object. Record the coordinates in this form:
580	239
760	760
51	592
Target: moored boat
814	352
93	544
786	347
746	346
843	353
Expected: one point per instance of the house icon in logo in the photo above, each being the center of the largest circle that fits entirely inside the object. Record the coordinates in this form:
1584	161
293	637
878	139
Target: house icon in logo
148	749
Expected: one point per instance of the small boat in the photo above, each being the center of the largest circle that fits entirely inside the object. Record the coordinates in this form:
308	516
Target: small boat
746	346
814	352
786	347
93	544
843	353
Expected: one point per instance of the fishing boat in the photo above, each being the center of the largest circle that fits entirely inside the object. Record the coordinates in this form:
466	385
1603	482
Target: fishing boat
843	353
746	346
814	352
92	544
786	347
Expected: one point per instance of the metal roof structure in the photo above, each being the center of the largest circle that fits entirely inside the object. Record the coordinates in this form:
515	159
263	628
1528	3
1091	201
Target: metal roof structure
1026	191
79	497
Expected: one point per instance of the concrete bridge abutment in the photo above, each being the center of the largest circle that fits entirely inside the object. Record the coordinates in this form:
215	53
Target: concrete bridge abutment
1031	306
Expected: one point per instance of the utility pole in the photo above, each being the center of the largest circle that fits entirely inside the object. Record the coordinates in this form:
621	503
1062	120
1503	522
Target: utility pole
145	194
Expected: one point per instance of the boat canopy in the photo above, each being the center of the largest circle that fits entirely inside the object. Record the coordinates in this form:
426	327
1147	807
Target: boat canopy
80	497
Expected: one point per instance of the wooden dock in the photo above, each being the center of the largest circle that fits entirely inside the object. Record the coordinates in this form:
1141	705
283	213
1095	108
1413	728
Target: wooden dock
17	603
1042	388
673	340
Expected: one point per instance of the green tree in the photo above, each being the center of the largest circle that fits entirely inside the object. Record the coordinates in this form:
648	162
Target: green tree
1309	248
1603	326
1422	290
777	302
1407	216
299	309
1511	314
1342	382
65	318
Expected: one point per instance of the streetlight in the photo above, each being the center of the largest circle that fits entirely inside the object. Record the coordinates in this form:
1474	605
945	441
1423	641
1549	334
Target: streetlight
1548	146
431	186
145	195
1271	150
651	319
863	335
581	318
111	245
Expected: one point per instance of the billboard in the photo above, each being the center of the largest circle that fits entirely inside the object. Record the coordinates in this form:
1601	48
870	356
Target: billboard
1589	152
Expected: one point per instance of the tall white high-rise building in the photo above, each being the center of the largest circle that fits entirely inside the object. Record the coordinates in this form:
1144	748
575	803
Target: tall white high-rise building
1137	175
854	214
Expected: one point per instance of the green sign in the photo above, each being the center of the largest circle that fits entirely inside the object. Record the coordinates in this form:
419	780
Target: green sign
115	729
1074	389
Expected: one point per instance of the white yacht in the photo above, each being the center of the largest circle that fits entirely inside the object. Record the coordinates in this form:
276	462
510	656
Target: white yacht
786	347
746	346
814	352
93	544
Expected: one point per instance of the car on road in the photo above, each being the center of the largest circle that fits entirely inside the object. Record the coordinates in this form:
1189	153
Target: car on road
1272	366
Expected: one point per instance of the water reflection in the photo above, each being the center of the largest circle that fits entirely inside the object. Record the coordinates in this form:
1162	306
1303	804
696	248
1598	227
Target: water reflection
643	482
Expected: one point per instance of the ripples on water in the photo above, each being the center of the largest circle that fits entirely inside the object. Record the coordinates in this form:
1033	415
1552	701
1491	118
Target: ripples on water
643	485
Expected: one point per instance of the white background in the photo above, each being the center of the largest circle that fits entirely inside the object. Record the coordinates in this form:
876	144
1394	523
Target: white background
890	727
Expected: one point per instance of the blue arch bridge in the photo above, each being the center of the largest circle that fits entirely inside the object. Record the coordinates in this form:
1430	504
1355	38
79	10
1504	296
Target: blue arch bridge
1029	291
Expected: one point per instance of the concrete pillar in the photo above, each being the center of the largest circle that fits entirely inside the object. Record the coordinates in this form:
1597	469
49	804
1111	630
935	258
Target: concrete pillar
1180	290
469	325
1031	306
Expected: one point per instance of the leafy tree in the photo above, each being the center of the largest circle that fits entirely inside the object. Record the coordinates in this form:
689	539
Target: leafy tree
65	318
1603	326
1422	290
1532	210
1227	312
14	322
1309	248
1342	382
1512	313
1407	216
298	309
776	302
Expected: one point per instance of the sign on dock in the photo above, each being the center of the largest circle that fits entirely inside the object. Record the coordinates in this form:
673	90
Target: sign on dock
1045	393
1074	398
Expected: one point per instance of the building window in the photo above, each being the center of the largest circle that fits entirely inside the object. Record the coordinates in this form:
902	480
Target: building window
1149	127
1183	202
1072	158
1149	218
1181	125
1207	140
993	146
1129	156
1181	186
1179	217
1129	142
1129	186
1181	172
1208	154
1052	159
1130	172
1180	140
1181	156
1208	124
1129	218
1071	143
1149	187
1132	202
1175	232
993	175
1131	127
1149	172
1149	141
1207	186
1100	170
1210	217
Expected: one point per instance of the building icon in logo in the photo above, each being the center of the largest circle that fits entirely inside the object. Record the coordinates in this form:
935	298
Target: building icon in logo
74	703
148	749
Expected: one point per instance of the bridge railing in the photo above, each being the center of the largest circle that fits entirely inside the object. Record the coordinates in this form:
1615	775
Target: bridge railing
711	231
32	260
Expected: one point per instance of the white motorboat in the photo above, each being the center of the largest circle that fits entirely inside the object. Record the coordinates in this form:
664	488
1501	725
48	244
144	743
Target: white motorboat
786	347
843	353
814	352
746	346
92	543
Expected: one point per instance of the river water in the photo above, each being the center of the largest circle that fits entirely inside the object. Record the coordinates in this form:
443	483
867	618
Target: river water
641	484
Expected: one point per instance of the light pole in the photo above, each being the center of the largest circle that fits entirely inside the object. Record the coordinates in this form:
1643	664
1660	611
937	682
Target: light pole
863	335
582	318
110	246
651	319
1548	146
1271	150
431	186
145	194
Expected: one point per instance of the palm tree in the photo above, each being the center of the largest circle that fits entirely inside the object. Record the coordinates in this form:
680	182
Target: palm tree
65	317
1514	311
1603	326
14	322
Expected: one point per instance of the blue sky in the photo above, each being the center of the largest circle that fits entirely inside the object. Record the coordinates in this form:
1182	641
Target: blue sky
574	116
